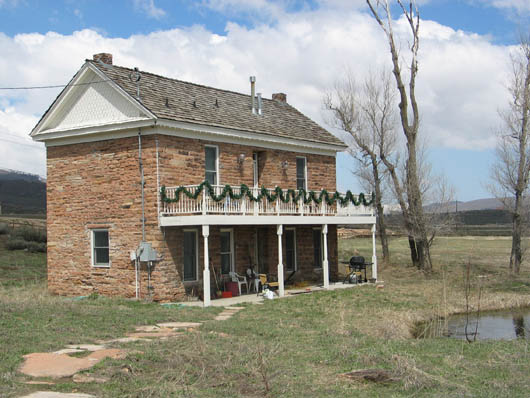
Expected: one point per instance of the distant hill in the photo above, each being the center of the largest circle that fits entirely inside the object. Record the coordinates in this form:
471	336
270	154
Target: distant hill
472	205
22	193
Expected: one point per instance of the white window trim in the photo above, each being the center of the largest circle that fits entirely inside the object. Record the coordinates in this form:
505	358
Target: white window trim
255	169
294	248
216	161
196	256
305	172
232	248
321	247
92	256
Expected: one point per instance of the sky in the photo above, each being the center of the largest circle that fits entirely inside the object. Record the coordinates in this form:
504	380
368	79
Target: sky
300	48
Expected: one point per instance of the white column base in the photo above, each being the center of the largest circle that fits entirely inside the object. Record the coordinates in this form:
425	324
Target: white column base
325	262
281	288
206	287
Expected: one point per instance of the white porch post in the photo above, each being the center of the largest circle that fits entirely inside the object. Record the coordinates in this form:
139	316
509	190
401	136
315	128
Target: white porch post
374	257
279	231
325	263
206	271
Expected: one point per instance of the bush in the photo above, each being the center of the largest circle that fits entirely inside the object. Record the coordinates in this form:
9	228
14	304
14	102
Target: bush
36	247
4	228
14	243
30	234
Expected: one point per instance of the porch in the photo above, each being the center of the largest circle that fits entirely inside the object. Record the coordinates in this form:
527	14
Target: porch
258	299
200	209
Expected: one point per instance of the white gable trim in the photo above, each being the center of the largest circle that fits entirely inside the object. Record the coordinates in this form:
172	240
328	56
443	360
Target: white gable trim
206	133
68	92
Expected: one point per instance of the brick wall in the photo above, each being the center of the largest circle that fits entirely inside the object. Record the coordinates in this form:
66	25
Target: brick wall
97	185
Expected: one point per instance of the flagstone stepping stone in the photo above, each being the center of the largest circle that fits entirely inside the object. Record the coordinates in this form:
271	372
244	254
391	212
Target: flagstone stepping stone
87	347
68	351
52	394
82	378
222	317
235	308
40	382
154	335
146	328
123	340
179	325
44	364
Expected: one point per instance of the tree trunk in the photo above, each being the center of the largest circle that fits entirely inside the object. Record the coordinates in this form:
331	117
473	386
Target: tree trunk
416	210
381	226
517	254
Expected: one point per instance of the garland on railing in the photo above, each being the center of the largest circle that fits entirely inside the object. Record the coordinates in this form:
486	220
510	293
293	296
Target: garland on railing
291	194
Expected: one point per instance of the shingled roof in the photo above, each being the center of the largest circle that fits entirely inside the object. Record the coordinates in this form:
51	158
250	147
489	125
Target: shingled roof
189	102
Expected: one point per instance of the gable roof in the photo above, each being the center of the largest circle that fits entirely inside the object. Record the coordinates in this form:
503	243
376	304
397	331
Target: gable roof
180	101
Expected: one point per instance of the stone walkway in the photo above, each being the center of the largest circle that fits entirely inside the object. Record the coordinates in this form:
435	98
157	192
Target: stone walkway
60	364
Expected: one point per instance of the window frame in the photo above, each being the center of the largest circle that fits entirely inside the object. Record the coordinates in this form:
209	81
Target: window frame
216	147
305	172
196	255
232	249
319	229
93	248
295	259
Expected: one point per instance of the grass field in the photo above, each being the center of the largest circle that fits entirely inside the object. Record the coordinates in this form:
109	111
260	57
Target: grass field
291	348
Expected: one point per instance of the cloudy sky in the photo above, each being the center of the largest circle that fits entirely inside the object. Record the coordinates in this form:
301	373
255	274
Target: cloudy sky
296	47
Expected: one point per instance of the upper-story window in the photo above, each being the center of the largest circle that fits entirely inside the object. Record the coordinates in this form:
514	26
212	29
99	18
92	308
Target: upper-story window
211	166
301	173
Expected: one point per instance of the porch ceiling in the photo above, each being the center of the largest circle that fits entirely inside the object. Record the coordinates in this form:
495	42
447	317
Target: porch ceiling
175	221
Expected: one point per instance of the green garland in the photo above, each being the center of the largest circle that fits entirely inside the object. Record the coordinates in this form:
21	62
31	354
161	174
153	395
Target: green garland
291	194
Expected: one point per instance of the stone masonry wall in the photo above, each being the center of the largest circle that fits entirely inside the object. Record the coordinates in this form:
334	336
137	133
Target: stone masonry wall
97	185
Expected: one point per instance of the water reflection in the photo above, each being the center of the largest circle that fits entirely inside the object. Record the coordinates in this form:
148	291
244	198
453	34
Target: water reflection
497	325
518	323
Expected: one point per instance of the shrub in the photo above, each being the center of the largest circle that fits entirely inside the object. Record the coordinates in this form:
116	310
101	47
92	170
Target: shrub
36	247
4	228
30	234
15	243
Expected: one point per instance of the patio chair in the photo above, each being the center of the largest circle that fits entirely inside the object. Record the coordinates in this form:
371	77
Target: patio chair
253	279
241	280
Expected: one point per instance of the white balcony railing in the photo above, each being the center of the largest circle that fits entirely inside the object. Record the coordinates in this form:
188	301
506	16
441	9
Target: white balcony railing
204	205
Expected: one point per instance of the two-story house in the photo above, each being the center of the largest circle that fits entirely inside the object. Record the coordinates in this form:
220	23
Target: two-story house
127	152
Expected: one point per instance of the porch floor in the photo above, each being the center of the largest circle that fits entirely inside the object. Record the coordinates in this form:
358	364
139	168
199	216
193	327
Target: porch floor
252	298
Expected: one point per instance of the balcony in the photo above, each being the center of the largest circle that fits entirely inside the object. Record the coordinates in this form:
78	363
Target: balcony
201	202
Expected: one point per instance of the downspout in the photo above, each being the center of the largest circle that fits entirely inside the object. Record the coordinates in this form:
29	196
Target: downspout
141	166
141	180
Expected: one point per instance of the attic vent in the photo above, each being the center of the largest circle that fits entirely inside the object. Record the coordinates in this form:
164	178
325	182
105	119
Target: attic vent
106	58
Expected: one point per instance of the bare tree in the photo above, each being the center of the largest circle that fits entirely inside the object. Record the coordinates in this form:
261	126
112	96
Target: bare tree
366	114
510	172
410	119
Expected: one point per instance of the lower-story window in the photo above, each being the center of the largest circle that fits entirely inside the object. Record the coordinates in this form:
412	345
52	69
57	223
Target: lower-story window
317	248
100	248
227	251
290	249
190	255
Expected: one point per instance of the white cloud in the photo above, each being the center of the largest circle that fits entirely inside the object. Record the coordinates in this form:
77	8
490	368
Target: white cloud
460	84
521	6
149	8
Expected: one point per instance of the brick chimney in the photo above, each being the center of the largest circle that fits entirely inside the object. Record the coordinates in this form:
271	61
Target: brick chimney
280	97
106	58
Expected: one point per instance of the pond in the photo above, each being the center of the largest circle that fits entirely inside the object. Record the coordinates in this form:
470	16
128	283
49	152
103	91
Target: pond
492	325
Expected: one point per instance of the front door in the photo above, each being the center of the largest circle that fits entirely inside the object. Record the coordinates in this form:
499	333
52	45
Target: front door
227	251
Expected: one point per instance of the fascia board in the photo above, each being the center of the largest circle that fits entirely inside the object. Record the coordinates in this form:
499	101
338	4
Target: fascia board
177	221
262	140
94	133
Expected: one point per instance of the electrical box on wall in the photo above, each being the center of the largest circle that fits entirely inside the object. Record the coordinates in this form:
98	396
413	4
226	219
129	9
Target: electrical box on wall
147	253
